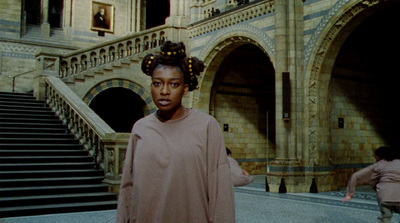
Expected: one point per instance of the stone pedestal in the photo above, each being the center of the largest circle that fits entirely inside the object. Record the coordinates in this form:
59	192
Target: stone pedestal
45	28
298	178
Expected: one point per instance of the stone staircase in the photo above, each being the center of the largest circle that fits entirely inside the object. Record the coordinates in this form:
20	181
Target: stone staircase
43	168
57	36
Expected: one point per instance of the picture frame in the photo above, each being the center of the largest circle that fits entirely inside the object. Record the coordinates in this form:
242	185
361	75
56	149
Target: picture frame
102	17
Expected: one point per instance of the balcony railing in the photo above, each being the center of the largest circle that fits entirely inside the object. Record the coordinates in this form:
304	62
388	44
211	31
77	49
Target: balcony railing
105	53
231	17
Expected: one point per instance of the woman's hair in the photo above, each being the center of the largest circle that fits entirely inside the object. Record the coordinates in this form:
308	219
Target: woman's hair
174	54
386	153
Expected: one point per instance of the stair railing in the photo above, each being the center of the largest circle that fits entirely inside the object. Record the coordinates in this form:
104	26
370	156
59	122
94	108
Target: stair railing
17	75
108	52
82	121
27	72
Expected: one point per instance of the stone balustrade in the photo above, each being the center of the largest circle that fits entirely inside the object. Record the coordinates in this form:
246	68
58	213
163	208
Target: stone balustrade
231	17
82	121
98	137
108	52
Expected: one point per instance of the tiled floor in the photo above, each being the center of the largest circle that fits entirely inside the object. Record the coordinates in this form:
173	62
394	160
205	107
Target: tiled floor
254	205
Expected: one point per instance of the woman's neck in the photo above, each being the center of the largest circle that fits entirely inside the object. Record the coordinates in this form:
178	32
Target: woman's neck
172	115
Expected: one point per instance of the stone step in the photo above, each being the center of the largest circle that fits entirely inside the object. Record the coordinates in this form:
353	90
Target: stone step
41	146
50	173
13	152
48	190
44	159
17	95
55	199
23	107
38	140
30	125
51	181
32	129
57	208
46	166
50	115
43	168
30	120
37	135
34	33
27	111
13	101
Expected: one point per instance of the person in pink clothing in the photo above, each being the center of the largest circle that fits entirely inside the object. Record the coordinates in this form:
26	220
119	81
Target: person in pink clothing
175	168
384	177
240	177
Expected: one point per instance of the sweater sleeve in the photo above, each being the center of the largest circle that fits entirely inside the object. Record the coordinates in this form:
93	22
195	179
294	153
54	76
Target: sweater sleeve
361	177
220	187
238	178
125	192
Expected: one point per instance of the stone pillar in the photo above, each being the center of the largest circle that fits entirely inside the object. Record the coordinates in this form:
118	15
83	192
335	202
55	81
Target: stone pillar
177	13
140	16
195	11
287	167
292	65
45	26
134	12
39	87
281	42
67	15
179	19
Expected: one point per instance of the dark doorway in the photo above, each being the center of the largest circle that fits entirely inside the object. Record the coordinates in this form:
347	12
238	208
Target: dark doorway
55	13
32	12
120	108
156	12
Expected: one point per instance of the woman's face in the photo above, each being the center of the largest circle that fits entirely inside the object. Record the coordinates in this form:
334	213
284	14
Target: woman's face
168	88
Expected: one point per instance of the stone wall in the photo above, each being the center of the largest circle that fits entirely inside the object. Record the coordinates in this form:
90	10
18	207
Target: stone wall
10	18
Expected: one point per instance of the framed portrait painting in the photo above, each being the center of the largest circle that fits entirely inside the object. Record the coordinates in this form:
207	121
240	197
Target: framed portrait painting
102	17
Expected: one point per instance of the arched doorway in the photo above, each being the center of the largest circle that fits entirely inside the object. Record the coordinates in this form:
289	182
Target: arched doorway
363	90
243	96
120	108
351	90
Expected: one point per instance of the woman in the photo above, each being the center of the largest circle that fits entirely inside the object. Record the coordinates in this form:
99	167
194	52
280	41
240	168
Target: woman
176	168
384	177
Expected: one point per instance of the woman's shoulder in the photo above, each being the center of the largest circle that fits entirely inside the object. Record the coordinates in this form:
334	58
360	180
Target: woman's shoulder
200	115
145	120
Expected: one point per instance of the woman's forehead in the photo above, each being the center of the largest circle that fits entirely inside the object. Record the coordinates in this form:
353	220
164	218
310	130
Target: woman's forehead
167	70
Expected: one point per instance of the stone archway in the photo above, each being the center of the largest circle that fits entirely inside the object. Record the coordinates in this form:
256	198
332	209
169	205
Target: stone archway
138	95
238	89
213	59
322	100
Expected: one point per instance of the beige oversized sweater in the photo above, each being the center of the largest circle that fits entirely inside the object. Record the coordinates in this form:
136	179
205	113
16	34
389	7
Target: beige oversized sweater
176	171
383	176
